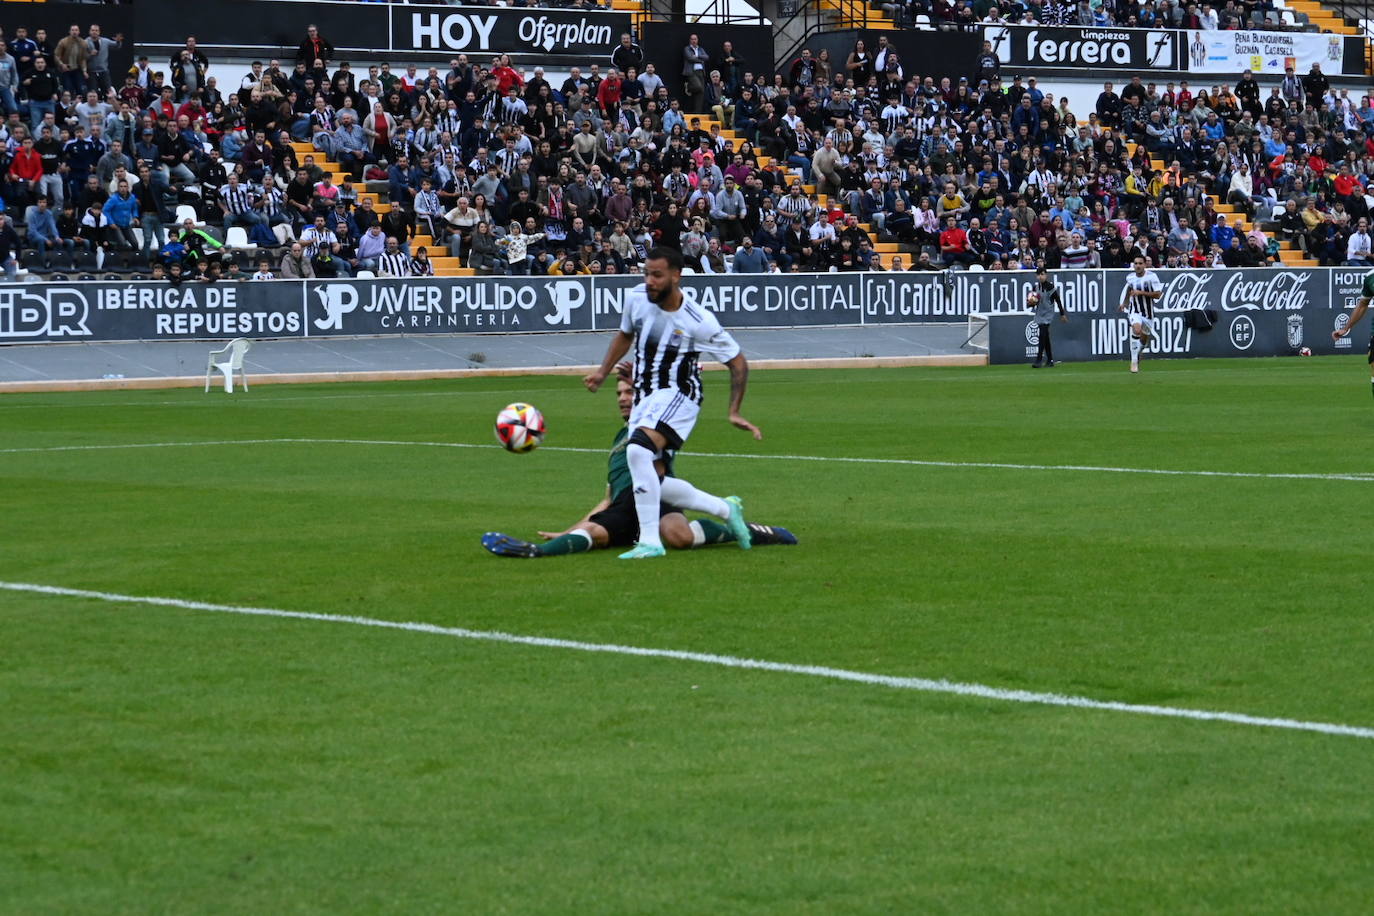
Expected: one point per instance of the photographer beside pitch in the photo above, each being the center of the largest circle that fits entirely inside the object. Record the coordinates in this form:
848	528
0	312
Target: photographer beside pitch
668	330
1366	294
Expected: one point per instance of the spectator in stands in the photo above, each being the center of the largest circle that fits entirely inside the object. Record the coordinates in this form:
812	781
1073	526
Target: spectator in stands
71	56
25	174
41	88
695	68
750	260
954	244
43	234
295	265
238	205
371	247
627	54
1357	251
728	213
484	254
352	148
9	83
314	47
121	212
98	59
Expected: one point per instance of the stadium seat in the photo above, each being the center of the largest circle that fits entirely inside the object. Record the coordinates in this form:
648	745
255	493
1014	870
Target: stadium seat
237	237
231	359
185	212
365	275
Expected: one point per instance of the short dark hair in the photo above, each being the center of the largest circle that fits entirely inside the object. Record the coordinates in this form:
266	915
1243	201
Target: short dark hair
671	255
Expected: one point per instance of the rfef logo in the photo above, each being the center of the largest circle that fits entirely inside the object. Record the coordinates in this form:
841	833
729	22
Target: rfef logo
1242	332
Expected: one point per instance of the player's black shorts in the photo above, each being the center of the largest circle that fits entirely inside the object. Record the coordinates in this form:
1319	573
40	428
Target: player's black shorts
620	519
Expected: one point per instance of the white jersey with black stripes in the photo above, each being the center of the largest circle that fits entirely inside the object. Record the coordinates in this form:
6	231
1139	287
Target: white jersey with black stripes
668	344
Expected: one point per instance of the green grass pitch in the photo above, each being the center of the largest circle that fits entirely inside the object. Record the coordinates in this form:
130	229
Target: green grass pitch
160	759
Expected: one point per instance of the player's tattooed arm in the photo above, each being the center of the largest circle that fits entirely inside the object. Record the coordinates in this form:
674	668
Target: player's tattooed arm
739	379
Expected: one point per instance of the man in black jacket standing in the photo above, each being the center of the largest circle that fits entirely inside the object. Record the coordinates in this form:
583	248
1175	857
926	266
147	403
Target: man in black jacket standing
627	54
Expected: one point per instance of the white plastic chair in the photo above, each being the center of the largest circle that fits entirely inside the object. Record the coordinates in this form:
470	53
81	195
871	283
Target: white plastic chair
237	237
1277	213
234	350
364	275
185	212
975	268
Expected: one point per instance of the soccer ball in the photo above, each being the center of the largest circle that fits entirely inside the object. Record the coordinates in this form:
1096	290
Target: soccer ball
520	427
1032	299
1305	351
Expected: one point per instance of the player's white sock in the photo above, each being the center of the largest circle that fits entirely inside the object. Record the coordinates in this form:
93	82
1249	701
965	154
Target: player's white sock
682	494
1135	349
648	492
698	534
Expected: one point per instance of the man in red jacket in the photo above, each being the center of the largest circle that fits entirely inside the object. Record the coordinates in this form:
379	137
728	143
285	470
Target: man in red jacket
608	94
1350	192
954	244
27	168
507	76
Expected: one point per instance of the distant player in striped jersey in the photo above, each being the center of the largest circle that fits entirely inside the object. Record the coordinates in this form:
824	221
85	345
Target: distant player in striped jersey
1362	306
1138	302
669	330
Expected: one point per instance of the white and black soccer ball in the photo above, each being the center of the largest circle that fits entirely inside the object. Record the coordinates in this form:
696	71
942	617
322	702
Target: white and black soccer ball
520	427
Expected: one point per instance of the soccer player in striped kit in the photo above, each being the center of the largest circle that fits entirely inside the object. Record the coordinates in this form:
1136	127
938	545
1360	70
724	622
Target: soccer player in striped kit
669	330
1143	287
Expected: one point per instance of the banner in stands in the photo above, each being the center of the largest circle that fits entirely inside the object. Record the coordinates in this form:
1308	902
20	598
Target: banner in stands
1265	53
1132	49
376	30
1115	50
487	29
103	311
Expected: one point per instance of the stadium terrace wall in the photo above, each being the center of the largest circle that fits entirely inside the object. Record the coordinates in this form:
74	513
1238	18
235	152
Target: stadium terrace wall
56	18
663	43
401	31
1122	53
1260	312
922	53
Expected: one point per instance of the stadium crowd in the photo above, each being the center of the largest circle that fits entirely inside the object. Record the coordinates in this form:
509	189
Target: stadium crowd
1145	14
515	173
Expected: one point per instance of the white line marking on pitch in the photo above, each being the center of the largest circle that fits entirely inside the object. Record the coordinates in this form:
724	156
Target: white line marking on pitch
926	685
1359	477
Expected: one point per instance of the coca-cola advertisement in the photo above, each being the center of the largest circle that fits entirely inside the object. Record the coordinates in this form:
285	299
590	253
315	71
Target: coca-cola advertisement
1258	312
1253	290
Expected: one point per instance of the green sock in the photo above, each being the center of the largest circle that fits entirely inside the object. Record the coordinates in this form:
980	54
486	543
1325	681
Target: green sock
573	542
713	532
